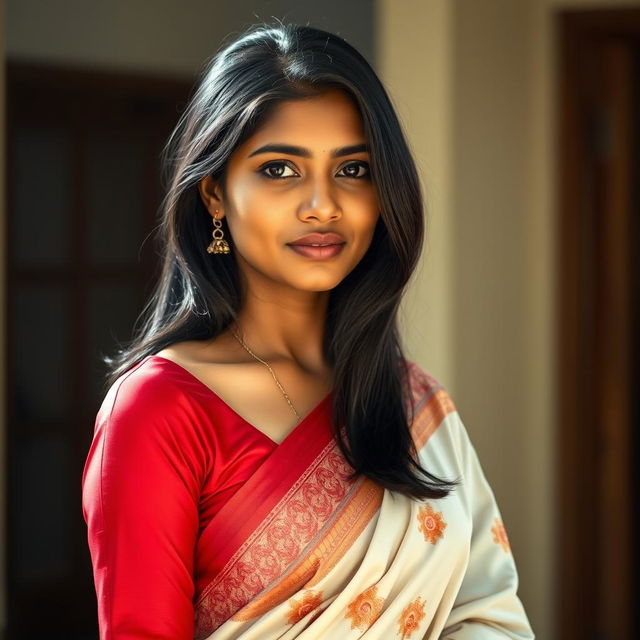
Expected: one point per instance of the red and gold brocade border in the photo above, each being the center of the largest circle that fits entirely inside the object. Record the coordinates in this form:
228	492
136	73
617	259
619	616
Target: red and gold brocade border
431	403
279	542
430	417
325	554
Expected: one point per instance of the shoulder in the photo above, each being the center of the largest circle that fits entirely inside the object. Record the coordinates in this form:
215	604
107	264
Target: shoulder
148	398
430	406
435	412
149	414
422	387
145	386
144	438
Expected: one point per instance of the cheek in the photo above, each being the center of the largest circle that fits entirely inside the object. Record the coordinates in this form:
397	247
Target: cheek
250	220
245	195
252	226
365	224
365	210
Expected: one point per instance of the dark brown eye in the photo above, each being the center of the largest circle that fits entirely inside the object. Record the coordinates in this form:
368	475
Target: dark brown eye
353	169
275	170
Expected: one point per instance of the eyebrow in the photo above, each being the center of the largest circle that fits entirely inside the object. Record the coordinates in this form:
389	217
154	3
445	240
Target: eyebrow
293	150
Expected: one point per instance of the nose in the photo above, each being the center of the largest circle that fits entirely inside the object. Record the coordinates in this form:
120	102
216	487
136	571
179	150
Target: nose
321	203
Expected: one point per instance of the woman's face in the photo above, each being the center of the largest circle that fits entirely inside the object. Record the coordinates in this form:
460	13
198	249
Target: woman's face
319	183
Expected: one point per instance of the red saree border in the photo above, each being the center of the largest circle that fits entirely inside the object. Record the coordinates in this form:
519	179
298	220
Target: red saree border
324	552
278	541
436	409
354	518
431	403
280	473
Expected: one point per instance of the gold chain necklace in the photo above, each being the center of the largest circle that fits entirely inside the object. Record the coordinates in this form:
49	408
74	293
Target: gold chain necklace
284	393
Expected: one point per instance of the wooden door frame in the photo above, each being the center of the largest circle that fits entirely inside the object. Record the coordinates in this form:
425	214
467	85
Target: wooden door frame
586	478
77	97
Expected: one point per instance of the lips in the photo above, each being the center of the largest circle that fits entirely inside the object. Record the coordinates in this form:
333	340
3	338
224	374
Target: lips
317	253
321	239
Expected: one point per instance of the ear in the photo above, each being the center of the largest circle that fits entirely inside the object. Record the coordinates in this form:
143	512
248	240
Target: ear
211	194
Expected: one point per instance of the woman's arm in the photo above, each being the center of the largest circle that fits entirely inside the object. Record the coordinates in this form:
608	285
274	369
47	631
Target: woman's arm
487	606
140	492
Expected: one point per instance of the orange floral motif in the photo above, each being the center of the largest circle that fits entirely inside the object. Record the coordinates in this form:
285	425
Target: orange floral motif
410	618
298	609
432	523
365	609
500	535
315	615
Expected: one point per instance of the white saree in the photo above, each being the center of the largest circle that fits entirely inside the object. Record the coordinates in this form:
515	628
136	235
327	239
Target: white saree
343	560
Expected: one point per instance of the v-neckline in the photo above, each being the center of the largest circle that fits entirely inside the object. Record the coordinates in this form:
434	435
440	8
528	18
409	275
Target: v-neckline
231	410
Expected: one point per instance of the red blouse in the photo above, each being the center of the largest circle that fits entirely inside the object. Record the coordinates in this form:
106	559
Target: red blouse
167	453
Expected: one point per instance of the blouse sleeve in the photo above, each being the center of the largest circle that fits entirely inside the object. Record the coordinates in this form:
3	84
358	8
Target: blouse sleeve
487	606
140	494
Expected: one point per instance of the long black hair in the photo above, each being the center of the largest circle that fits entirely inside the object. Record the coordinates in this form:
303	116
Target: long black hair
197	298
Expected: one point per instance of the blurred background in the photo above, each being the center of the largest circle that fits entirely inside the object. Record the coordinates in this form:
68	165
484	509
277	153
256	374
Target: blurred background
524	119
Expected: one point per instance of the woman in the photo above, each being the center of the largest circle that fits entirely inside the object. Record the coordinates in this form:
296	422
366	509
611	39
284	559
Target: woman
266	464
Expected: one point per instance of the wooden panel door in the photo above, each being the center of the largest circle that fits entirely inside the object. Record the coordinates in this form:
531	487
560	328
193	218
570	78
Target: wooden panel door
598	396
83	177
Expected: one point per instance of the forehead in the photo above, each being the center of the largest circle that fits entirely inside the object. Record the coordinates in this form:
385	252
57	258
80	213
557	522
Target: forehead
329	119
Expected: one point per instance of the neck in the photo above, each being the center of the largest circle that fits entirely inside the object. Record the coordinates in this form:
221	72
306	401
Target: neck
275	331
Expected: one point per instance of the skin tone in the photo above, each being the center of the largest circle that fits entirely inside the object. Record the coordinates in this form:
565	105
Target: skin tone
272	198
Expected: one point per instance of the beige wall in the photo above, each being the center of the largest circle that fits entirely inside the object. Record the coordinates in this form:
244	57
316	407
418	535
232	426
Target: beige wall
163	36
414	40
475	85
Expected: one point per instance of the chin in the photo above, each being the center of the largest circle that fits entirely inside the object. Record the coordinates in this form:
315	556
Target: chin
317	284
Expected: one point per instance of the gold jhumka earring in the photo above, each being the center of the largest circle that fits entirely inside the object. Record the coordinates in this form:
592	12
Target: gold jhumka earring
218	244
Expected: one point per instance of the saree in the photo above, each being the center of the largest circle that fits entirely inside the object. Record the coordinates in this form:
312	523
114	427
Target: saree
200	526
300	551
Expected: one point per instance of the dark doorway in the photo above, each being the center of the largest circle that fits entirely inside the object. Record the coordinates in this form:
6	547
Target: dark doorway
599	205
84	188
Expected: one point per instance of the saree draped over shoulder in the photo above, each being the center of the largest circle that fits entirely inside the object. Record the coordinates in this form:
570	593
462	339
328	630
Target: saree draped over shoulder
200	526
